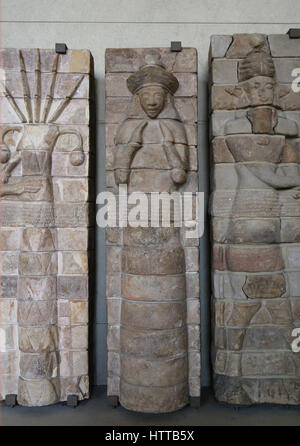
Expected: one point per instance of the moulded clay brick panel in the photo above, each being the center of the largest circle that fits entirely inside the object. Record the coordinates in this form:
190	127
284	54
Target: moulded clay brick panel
148	269
45	224
130	59
74	61
255	218
116	109
77	112
116	84
63	85
219	45
191	134
282	46
65	142
223	98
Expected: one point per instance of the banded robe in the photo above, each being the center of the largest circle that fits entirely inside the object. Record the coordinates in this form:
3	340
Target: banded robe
153	335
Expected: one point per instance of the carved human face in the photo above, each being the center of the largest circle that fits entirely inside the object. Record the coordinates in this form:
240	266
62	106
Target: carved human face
260	90
152	100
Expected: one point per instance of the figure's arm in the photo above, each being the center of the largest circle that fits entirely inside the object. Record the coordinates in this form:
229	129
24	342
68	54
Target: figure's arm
9	167
183	152
123	158
11	189
270	176
6	189
178	164
26	185
125	154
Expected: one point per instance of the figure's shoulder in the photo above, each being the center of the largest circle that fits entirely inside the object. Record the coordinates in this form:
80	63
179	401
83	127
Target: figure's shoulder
178	130
125	130
237	126
127	127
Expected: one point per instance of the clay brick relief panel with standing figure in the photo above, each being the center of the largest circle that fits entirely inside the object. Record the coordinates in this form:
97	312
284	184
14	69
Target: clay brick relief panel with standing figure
255	149
153	312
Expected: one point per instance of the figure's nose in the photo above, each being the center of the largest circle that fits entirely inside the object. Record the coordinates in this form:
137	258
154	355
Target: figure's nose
152	100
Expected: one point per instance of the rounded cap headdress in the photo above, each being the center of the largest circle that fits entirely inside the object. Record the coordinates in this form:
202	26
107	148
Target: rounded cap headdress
257	63
154	74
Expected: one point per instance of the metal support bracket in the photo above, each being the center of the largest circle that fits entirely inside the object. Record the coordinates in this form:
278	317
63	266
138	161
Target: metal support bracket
113	401
11	400
294	33
195	401
61	48
72	400
176	47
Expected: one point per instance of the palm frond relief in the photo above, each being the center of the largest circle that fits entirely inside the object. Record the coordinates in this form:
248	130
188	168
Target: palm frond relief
33	103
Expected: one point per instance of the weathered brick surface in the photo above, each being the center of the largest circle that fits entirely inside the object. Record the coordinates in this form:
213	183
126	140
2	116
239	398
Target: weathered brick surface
152	290
45	224
255	213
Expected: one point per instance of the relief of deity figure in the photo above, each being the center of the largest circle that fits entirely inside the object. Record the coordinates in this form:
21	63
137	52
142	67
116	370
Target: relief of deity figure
151	155
257	319
152	136
263	152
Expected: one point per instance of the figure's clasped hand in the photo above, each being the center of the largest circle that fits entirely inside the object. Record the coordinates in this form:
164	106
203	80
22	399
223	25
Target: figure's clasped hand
178	176
122	176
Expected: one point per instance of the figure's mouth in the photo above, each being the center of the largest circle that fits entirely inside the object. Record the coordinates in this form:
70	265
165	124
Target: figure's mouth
153	111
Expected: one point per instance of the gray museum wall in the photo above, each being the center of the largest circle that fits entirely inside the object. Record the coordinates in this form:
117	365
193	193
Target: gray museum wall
99	24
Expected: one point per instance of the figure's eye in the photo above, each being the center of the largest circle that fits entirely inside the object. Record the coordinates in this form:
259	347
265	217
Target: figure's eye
269	86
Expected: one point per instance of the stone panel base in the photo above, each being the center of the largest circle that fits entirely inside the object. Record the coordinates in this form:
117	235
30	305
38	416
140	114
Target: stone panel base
248	391
153	399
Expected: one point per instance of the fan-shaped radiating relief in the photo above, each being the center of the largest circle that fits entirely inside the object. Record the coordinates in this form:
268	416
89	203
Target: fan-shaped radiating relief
44	169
